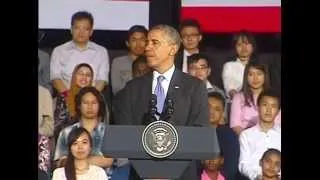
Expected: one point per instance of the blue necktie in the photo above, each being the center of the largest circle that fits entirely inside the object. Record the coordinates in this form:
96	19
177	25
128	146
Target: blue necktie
159	91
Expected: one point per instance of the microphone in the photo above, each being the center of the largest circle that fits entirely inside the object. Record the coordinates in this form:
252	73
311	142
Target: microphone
152	110
169	109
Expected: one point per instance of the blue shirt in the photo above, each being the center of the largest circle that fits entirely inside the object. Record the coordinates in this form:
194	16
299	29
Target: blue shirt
62	144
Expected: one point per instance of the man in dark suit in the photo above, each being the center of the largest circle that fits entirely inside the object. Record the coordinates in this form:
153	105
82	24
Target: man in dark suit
189	95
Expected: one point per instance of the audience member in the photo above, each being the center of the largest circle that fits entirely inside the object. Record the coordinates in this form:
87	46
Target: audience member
188	93
90	110
190	33
78	166
244	110
45	128
211	169
264	135
271	165
232	72
140	67
121	71
228	140
44	70
79	50
65	110
199	67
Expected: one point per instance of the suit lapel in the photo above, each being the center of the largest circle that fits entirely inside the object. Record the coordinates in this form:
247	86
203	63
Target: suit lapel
173	90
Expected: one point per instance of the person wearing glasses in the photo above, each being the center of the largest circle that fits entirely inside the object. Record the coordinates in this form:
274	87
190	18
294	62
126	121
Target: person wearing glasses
191	37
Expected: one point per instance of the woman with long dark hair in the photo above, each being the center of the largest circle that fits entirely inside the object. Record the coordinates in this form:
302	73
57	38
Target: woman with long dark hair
244	111
77	165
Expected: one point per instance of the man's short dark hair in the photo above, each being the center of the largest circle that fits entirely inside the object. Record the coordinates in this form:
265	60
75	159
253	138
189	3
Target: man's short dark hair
137	28
271	93
188	23
80	15
194	58
217	96
270	151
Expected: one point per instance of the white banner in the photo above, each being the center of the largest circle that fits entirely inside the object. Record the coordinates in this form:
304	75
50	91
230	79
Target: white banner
108	14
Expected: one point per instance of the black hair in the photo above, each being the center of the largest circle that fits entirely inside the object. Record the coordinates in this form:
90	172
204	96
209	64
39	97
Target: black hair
270	151
74	134
194	58
80	15
140	60
137	28
188	23
90	89
271	93
254	63
218	96
244	34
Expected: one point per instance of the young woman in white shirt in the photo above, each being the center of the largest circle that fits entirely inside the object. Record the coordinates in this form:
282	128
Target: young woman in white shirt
77	165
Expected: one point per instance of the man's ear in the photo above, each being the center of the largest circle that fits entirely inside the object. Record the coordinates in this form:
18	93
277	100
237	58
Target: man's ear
173	50
200	37
127	44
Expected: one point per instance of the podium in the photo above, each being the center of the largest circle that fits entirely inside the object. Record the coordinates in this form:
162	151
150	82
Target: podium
195	143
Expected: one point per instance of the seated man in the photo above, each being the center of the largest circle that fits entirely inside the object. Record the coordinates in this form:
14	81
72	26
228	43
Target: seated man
121	71
140	67
228	140
266	134
90	109
79	50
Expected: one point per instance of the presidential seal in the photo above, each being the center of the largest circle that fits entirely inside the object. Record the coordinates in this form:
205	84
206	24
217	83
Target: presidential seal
160	139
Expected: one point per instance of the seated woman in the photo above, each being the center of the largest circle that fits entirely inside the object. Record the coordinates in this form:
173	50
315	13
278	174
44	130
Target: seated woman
45	128
211	169
65	111
244	111
77	165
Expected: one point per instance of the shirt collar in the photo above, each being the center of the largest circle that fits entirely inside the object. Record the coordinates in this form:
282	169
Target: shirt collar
79	124
168	74
72	46
209	85
275	127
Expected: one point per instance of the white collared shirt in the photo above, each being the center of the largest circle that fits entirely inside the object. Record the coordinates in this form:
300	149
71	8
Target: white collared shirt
185	61
232	75
166	82
253	143
66	56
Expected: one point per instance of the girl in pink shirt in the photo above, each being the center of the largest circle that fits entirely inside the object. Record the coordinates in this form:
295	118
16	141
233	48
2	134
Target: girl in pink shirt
211	170
244	112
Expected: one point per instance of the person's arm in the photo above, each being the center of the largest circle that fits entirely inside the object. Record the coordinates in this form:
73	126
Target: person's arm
100	160
246	165
46	126
236	114
228	80
199	114
100	84
116	82
102	71
61	150
55	71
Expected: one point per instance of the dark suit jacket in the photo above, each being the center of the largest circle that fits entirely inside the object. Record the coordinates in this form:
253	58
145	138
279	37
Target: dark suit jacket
190	102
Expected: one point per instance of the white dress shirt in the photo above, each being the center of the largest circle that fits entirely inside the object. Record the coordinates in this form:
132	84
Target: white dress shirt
185	61
66	56
166	82
232	75
94	173
253	143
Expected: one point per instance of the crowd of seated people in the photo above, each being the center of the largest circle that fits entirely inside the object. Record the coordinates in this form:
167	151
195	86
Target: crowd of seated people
73	111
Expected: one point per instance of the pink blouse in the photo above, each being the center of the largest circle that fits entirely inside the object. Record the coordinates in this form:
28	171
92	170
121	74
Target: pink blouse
205	176
245	116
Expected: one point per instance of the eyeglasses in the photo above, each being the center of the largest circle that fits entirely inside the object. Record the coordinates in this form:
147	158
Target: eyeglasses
186	36
202	68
